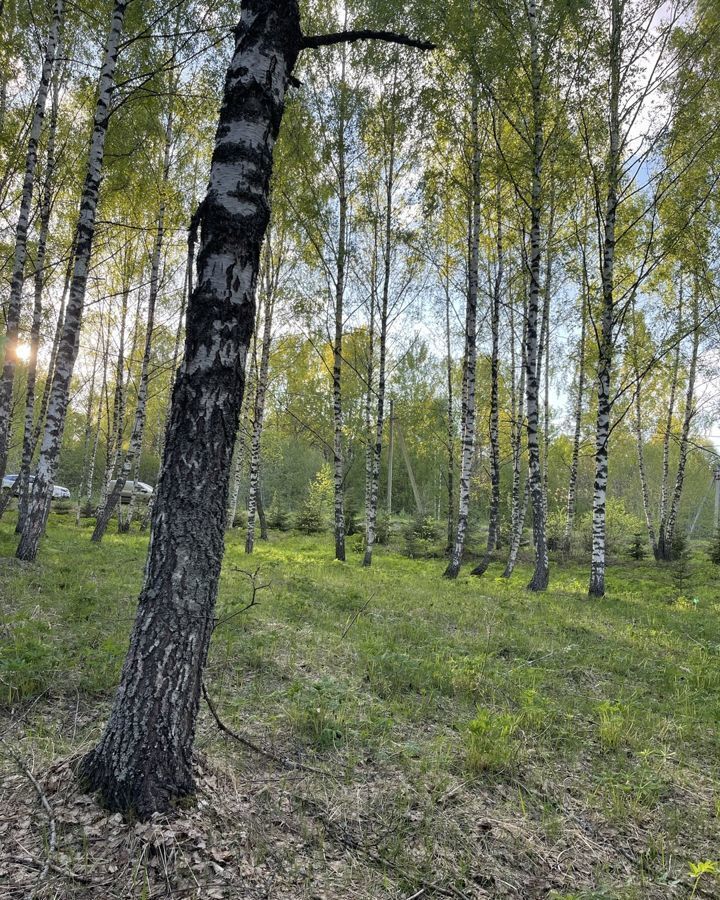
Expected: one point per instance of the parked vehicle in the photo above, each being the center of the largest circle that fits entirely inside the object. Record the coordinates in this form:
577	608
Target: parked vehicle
59	492
142	491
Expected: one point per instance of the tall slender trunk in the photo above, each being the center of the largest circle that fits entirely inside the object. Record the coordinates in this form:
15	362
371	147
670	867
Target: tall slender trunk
144	759
571	506
116	426
14	307
42	413
88	461
607	319
132	456
665	482
540	577
28	447
450	418
338	465
259	406
520	494
244	429
370	373
468	400
39	504
667	551
639	439
371	523
494	520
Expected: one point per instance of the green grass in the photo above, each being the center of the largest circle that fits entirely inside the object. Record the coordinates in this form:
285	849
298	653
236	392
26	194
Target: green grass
587	729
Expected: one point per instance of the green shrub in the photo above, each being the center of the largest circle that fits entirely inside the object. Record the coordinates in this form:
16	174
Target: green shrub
421	538
715	548
638	546
278	516
619	523
312	516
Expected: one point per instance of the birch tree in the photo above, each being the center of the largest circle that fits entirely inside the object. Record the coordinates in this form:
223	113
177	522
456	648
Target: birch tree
14	308
143	761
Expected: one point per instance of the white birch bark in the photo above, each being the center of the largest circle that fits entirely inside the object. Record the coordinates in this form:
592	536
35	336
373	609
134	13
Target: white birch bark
259	405
689	413
540	577
14	306
468	399
607	319
39	504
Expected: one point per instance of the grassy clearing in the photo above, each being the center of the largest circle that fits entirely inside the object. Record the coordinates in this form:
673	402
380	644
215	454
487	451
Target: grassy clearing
486	740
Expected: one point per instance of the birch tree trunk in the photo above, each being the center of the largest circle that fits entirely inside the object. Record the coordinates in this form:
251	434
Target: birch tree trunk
117	428
28	447
571	506
371	522
607	320
639	442
540	577
14	306
450	419
494	520
259	408
144	759
519	495
143	762
665	483
370	373
39	503
132	457
668	551
468	399
338	467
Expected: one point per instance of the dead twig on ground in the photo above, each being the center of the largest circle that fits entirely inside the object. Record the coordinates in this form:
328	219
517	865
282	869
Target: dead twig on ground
355	616
246	742
52	826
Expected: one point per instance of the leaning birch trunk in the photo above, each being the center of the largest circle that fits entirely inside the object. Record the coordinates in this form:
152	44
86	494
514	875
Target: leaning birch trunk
540	577
42	413
14	306
669	549
607	320
39	504
494	522
39	279
143	762
571	506
371	522
259	413
338	464
132	457
665	483
468	400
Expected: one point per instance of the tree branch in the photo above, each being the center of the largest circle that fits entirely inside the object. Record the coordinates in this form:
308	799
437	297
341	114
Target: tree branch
364	34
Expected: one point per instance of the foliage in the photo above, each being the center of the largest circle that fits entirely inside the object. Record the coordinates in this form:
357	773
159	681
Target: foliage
619	524
421	537
638	546
312	516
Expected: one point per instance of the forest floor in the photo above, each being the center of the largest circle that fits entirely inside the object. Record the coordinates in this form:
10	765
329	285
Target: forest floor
478	741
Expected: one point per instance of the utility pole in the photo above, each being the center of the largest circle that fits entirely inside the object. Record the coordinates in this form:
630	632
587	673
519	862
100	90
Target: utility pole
390	457
717	499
